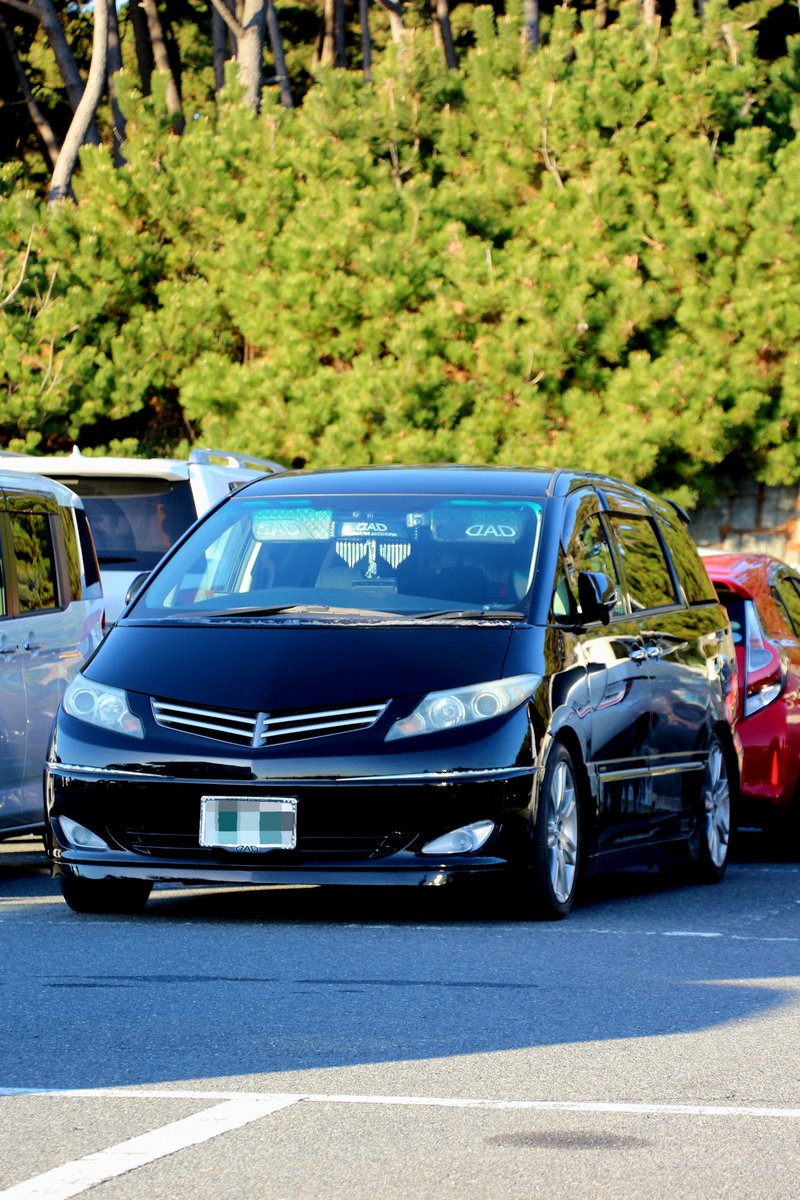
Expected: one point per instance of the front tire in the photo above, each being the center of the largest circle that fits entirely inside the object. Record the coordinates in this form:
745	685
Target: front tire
555	851
105	895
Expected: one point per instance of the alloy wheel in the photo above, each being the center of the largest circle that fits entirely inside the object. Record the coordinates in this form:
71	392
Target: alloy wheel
717	805
562	833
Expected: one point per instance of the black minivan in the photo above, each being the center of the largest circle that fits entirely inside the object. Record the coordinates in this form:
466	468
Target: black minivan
404	676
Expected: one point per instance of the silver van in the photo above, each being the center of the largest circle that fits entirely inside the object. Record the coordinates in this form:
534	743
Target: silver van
51	618
138	507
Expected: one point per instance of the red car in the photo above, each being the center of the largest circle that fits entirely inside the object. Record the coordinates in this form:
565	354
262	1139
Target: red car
762	596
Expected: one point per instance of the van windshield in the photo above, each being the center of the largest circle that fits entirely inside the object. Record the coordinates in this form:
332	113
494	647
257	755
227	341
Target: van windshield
407	555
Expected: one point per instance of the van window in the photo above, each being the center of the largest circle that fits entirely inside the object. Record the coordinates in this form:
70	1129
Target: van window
134	521
73	555
588	550
687	562
91	570
647	575
37	573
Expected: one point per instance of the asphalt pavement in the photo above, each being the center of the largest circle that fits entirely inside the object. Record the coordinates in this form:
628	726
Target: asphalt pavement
307	1043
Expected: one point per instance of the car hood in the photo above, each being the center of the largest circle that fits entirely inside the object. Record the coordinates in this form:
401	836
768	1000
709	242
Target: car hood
269	666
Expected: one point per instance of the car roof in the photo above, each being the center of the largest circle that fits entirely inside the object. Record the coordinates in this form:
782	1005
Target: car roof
747	572
14	481
436	479
103	465
79	464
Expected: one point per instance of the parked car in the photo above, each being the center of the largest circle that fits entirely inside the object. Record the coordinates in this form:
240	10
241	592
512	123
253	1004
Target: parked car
762	596
138	507
404	676
51	619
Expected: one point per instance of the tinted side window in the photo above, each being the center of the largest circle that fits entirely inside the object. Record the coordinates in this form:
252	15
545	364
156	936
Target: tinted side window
91	570
34	551
687	563
647	576
73	556
588	550
3	600
787	598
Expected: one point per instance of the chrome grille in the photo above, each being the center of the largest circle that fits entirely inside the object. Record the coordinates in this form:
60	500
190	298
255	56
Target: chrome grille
264	729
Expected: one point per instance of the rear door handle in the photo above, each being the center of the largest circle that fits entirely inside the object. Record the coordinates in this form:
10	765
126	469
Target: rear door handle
32	645
7	648
637	656
654	652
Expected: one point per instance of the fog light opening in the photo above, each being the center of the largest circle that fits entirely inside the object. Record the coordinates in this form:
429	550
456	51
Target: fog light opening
79	836
464	840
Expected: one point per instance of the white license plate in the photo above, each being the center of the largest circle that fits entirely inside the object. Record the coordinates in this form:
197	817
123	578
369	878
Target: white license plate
241	823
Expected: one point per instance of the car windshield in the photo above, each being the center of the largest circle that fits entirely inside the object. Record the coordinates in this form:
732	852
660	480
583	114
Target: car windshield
406	555
134	521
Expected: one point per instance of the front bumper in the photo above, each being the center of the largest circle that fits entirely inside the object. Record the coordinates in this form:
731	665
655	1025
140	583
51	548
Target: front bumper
366	829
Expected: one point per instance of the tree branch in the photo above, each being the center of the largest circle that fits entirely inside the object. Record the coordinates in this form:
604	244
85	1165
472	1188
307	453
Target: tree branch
21	279
227	16
30	10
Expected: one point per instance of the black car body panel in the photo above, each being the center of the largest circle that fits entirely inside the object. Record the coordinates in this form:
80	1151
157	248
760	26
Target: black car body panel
314	705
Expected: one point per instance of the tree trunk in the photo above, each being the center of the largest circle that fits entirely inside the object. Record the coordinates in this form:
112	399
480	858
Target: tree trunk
650	11
251	51
325	58
40	122
61	182
395	11
144	51
443	33
221	38
163	66
601	14
366	39
113	68
339	54
532	34
276	42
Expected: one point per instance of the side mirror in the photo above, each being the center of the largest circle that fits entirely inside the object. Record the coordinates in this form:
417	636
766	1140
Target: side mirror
136	585
596	596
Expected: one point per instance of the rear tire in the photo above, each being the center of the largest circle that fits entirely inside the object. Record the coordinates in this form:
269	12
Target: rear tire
555	849
105	895
715	818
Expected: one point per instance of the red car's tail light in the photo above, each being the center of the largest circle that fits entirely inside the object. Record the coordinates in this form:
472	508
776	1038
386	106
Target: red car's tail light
764	666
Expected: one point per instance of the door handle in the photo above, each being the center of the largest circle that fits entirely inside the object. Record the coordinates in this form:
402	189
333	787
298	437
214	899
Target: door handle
32	645
7	648
637	656
654	652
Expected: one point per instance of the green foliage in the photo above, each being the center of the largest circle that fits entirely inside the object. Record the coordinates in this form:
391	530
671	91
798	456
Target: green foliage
587	255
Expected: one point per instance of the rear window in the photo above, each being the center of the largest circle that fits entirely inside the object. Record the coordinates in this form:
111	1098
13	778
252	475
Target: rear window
134	521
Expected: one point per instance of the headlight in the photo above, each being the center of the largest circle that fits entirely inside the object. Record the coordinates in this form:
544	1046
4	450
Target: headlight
100	705
465	706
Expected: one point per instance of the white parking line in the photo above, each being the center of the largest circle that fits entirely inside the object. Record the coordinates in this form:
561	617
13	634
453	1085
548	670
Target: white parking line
240	1108
84	1173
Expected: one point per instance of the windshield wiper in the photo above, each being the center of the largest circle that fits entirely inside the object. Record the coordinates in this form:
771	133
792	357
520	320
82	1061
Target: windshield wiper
312	610
472	614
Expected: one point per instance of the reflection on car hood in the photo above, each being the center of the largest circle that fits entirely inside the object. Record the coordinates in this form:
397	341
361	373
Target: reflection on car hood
274	666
